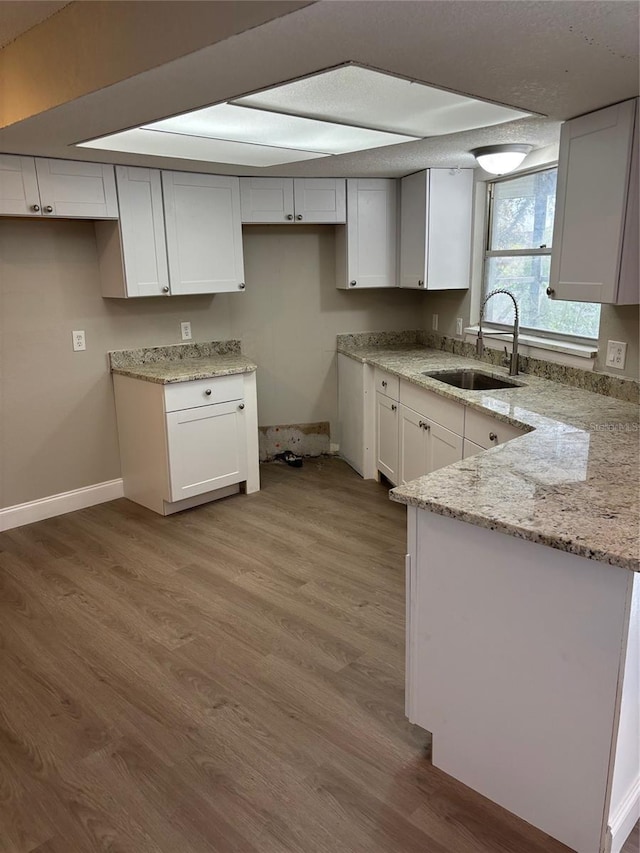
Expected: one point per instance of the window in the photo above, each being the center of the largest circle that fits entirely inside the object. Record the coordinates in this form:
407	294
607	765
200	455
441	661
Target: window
518	258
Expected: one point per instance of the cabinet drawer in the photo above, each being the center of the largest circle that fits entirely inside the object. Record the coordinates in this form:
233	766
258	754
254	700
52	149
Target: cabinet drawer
480	428
386	383
445	412
202	392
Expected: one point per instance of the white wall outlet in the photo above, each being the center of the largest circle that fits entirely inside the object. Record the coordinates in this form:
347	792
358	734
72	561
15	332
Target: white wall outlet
79	341
459	326
616	354
185	330
434	322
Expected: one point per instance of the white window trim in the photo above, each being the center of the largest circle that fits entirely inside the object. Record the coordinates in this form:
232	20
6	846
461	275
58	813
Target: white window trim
559	351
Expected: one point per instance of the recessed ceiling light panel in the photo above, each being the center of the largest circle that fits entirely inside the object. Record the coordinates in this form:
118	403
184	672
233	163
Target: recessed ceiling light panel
241	124
185	147
367	98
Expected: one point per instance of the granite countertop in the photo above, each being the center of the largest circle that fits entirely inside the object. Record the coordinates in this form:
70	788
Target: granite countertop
572	482
181	362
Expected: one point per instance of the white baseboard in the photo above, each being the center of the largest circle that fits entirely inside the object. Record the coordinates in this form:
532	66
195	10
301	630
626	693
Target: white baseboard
625	818
20	514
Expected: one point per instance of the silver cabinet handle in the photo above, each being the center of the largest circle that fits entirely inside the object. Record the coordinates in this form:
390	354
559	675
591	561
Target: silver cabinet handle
427	427
242	285
493	436
241	406
420	283
299	217
165	289
289	216
35	208
550	291
393	407
208	392
384	383
421	424
352	283
48	209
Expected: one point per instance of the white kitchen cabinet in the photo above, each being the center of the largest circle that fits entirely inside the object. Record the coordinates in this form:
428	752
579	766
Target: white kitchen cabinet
293	200
595	235
487	431
132	253
387	437
67	189
206	449
183	444
204	232
470	448
435	229
366	247
425	445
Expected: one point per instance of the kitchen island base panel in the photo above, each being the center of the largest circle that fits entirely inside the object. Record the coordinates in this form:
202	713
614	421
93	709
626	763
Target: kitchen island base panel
516	655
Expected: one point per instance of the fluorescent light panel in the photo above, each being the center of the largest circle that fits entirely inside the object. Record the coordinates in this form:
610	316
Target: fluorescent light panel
363	97
184	147
334	112
240	124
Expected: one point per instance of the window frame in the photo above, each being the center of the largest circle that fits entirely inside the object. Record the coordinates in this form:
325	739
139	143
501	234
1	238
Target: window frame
489	253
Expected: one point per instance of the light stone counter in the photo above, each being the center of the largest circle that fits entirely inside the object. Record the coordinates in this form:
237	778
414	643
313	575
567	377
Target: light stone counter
572	483
182	362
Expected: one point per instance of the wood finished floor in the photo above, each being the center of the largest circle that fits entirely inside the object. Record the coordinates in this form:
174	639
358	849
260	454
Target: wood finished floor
226	679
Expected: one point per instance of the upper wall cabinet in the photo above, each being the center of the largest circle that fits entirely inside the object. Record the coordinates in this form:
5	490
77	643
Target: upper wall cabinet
57	188
435	229
366	246
188	242
595	235
204	232
295	200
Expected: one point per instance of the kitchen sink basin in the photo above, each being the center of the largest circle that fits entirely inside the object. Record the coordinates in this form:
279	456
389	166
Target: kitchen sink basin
471	380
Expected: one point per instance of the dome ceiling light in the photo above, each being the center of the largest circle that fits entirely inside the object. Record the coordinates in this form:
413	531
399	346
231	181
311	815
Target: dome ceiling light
501	159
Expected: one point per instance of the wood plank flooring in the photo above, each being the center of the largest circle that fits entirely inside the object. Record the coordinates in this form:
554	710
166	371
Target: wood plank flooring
226	679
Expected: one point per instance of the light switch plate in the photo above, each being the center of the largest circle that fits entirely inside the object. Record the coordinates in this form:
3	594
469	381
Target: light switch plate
616	354
434	322
459	326
185	330
79	341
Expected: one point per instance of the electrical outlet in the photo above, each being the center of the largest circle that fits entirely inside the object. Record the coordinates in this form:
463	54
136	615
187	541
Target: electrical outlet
459	326
185	331
434	322
79	341
616	354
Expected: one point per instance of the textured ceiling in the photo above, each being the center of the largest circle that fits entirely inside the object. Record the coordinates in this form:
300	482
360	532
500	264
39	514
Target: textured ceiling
557	59
17	17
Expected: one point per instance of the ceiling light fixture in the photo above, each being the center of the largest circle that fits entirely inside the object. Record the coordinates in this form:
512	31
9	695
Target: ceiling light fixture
500	159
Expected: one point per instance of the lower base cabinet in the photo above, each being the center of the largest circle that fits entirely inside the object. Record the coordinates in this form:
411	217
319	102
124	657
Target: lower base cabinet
425	445
387	437
187	443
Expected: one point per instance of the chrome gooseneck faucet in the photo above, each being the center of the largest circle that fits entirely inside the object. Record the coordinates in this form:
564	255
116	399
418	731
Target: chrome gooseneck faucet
513	361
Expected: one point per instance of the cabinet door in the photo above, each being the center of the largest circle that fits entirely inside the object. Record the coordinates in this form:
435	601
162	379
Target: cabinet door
413	445
413	230
204	232
207	449
18	186
470	448
76	190
444	447
266	200
370	234
144	248
387	437
320	200
450	206
591	203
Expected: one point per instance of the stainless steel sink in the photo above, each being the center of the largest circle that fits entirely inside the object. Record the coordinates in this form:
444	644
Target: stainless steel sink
471	380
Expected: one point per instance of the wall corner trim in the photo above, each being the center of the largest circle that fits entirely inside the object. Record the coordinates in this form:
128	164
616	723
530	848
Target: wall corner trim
627	815
27	513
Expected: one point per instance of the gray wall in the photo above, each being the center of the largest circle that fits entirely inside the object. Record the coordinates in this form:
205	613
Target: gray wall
57	418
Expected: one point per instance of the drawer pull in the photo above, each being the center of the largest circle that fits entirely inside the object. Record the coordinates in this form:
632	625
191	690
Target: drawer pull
299	217
165	289
35	208
352	283
384	384
208	392
393	407
289	216
48	209
241	406
493	436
